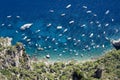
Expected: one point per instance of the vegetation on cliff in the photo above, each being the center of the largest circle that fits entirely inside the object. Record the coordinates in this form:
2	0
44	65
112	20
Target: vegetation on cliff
15	64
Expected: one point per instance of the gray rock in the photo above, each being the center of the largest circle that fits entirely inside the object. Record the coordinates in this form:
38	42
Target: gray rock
98	73
116	44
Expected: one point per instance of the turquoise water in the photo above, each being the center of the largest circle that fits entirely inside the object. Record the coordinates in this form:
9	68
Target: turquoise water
65	30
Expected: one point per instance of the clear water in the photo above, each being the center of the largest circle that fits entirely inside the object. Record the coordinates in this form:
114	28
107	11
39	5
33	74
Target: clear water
88	36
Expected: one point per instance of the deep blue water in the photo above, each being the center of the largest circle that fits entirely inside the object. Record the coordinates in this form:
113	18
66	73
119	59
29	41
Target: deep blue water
38	13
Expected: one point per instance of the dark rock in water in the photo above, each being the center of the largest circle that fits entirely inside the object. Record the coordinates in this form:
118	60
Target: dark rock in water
98	73
116	44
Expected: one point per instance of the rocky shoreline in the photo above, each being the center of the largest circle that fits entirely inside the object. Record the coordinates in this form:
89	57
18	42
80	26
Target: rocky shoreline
15	64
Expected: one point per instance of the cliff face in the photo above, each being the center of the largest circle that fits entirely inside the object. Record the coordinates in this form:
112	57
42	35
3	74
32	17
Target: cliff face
5	42
15	64
12	55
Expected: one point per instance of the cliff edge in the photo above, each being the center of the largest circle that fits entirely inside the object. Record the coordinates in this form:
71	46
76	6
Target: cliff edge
15	64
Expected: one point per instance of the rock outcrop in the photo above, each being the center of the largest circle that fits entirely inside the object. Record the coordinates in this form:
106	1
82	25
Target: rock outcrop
5	42
77	75
15	64
13	55
98	73
116	44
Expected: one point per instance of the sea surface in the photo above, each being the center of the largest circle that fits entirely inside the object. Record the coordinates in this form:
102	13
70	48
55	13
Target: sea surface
61	30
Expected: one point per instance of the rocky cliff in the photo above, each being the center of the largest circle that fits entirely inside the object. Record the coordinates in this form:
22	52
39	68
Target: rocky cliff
13	56
15	64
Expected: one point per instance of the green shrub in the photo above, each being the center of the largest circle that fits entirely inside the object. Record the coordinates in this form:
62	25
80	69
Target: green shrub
6	72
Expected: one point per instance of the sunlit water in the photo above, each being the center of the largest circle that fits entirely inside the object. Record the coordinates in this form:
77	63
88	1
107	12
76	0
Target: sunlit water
65	30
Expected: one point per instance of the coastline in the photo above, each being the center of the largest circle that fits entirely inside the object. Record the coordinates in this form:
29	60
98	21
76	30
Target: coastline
67	61
78	59
17	65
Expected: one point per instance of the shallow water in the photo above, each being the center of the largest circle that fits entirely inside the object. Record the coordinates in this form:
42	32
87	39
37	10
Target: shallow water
64	29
